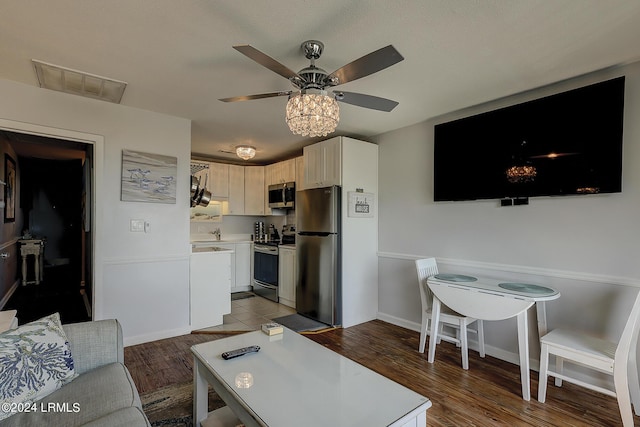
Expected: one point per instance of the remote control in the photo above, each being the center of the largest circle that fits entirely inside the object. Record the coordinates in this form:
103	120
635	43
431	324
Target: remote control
239	352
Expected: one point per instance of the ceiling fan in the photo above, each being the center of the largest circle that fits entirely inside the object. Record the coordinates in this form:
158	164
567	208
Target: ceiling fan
312	78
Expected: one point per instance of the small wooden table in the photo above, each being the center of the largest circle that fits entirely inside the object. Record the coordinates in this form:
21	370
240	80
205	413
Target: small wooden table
489	299
33	247
294	381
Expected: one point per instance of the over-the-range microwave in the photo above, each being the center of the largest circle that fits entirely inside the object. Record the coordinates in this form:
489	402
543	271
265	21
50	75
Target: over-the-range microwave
282	195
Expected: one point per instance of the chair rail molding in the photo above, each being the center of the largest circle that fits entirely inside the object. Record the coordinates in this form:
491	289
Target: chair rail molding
520	269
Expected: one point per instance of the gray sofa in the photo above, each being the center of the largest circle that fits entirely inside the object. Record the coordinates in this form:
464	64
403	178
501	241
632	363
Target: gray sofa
102	395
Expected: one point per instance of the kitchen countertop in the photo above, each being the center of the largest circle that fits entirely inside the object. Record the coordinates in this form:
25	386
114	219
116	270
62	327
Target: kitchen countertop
225	238
212	249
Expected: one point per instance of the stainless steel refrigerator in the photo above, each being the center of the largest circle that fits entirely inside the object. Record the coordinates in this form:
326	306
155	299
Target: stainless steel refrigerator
318	254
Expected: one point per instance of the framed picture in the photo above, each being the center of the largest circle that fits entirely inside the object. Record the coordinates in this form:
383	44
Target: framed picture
148	177
9	189
361	205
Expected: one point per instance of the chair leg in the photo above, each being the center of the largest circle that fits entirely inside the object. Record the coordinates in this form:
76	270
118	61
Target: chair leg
634	386
480	328
440	332
465	344
542	377
621	382
560	370
423	332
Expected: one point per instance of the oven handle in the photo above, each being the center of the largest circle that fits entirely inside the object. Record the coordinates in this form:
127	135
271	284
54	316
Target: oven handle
269	250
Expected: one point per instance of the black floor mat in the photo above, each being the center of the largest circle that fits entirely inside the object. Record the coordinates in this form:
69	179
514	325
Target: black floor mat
299	323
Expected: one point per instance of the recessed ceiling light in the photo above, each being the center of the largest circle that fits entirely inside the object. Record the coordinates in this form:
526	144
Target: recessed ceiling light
76	82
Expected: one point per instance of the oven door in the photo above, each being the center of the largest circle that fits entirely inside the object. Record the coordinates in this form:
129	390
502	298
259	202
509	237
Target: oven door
265	271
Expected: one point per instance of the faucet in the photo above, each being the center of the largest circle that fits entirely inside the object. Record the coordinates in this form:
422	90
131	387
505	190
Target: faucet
216	233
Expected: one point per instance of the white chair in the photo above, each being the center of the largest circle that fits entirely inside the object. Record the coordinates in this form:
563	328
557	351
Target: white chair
428	267
600	355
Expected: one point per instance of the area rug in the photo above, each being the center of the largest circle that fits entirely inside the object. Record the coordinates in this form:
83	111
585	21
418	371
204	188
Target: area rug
299	323
173	405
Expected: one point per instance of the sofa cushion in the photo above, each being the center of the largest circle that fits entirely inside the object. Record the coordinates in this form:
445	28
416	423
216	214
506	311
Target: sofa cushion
89	397
35	360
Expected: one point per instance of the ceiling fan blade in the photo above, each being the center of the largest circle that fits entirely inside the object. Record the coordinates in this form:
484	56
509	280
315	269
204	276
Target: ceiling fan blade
267	61
366	101
258	96
368	64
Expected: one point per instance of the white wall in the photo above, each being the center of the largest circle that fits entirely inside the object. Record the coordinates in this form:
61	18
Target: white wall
585	246
142	279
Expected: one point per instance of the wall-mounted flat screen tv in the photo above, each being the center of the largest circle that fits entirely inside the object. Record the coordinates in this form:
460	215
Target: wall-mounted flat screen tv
569	143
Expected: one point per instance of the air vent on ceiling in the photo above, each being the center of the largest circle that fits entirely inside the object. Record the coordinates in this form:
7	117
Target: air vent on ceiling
78	82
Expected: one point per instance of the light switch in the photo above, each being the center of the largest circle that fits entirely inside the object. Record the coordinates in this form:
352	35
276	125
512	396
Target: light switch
137	225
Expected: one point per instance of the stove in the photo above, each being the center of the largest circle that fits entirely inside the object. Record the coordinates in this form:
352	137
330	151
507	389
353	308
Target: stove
267	243
265	269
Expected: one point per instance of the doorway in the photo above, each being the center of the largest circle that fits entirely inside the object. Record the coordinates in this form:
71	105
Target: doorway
54	199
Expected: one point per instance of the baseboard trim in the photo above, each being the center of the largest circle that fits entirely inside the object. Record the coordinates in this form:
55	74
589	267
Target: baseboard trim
155	336
496	352
9	294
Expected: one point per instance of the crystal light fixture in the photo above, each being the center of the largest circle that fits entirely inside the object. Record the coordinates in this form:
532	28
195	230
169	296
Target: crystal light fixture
522	171
245	152
520	174
312	113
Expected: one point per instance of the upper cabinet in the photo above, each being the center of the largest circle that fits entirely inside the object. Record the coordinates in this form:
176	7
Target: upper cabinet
281	172
254	190
243	190
236	204
218	181
322	163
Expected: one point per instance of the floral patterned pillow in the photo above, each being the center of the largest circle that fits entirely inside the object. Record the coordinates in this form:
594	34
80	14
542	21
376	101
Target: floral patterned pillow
35	361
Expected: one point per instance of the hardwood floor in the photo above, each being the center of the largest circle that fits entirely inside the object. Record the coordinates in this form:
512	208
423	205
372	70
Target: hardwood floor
488	394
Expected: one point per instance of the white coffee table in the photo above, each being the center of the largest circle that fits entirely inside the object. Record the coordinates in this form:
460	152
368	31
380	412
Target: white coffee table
293	381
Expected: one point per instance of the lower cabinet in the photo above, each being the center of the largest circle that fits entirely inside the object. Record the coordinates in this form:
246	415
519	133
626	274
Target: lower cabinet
209	278
240	265
287	276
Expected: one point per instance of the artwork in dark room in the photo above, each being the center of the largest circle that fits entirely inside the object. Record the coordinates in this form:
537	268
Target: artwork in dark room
569	143
9	189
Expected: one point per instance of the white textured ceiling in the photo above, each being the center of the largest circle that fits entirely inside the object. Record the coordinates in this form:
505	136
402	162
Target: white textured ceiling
177	55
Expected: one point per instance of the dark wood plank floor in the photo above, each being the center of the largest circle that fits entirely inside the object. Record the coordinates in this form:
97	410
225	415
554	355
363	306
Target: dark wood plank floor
488	394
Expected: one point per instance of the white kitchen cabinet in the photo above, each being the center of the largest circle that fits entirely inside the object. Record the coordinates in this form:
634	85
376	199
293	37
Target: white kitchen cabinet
218	181
240	265
300	173
236	201
323	163
281	172
287	276
254	190
209	285
243	267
